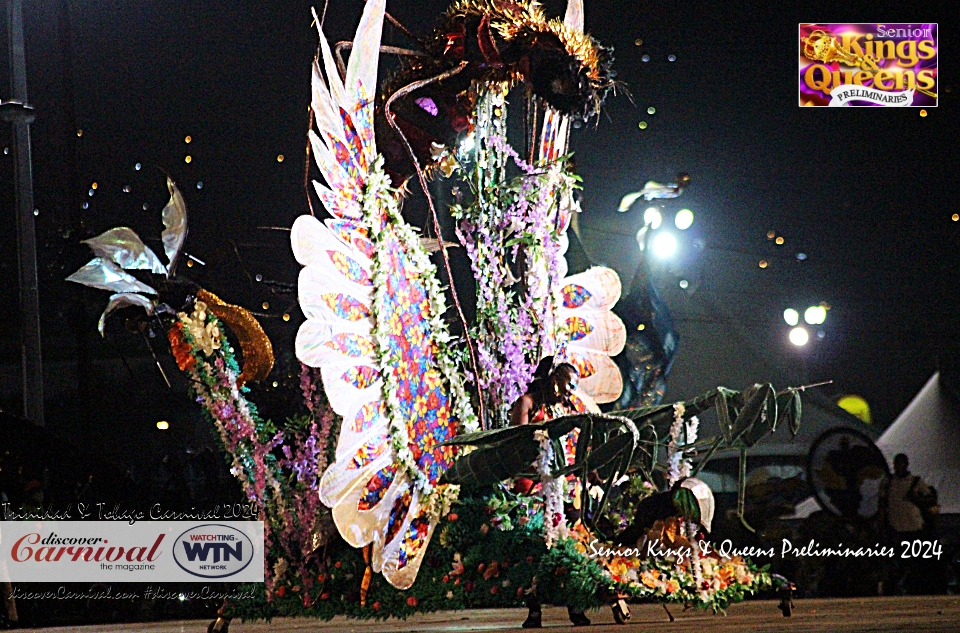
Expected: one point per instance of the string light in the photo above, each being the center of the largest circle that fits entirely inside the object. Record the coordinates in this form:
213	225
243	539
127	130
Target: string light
188	139
763	263
280	158
188	159
955	217
79	133
286	317
266	306
771	235
779	241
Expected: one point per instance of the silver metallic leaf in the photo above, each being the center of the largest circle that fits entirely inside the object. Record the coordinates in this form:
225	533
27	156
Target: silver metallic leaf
105	275
122	300
175	220
125	248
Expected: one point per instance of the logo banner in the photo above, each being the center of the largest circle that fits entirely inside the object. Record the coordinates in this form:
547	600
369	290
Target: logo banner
869	64
844	96
114	551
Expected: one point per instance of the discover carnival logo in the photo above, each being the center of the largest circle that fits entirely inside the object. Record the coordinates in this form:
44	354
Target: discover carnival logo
117	551
213	551
868	65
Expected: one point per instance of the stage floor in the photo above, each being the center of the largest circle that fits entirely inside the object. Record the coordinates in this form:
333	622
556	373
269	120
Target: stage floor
854	615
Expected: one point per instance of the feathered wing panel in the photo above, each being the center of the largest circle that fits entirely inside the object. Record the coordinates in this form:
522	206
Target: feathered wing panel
591	331
374	327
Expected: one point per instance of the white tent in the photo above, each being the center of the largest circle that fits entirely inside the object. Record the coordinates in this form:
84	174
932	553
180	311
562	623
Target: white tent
928	432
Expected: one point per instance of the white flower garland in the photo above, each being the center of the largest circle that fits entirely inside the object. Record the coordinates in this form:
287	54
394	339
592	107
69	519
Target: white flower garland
379	199
681	434
554	520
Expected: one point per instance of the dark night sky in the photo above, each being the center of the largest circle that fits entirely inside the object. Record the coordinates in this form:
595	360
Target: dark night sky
866	194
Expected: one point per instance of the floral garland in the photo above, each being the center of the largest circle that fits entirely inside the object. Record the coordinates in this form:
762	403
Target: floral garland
381	213
488	552
514	329
311	386
554	519
681	434
719	582
283	486
193	339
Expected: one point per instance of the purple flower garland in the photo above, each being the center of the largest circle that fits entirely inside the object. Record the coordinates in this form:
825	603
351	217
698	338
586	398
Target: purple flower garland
514	327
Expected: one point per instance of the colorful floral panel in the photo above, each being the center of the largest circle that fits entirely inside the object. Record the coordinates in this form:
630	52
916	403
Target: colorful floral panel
350	268
575	296
361	377
346	307
349	344
367	416
369	452
420	396
578	328
413	541
377	487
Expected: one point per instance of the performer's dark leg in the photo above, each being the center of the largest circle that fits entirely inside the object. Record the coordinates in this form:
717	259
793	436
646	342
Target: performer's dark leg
535	616
578	617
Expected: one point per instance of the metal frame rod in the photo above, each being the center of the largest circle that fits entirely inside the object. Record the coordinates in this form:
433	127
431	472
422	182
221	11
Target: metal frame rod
21	115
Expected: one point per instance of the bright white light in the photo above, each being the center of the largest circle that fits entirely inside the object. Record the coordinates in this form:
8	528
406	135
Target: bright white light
467	145
652	217
684	219
799	336
815	315
664	245
163	425
684	284
791	316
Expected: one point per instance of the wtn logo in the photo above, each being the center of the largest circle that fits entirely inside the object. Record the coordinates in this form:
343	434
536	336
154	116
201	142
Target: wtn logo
213	551
202	550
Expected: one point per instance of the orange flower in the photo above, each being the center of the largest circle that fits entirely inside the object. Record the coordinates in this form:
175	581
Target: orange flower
649	578
673	585
182	352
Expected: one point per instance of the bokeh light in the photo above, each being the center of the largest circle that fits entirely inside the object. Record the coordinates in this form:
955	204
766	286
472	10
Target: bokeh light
791	316
664	245
815	315
684	219
799	336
